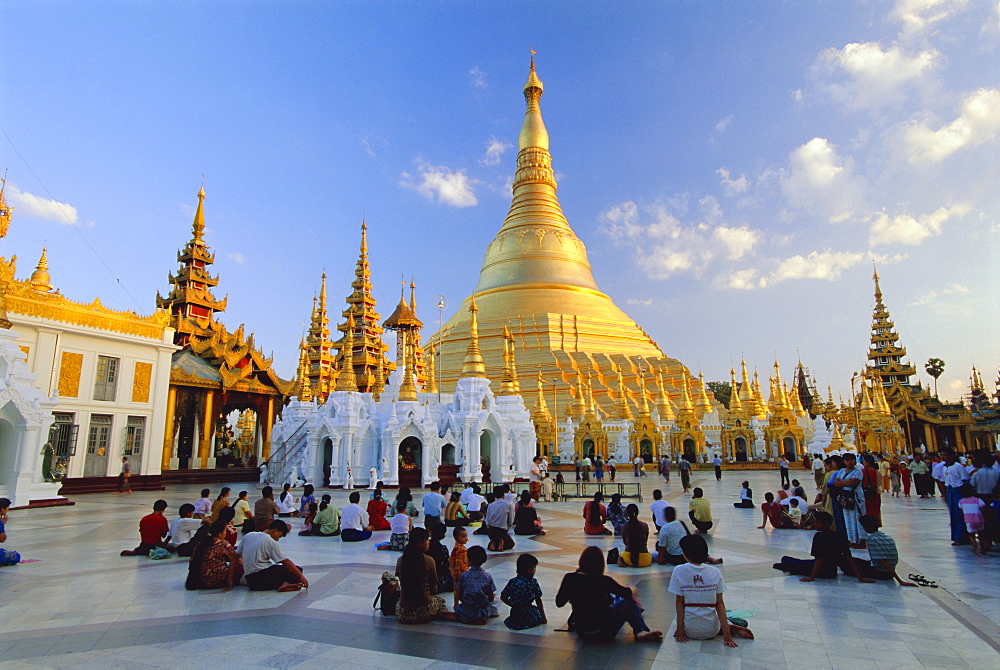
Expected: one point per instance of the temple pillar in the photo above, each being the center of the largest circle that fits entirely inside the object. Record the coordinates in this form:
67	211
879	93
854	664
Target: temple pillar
168	433
266	432
207	432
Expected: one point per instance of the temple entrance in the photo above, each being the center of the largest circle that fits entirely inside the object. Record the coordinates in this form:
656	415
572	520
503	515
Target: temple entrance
646	450
448	454
410	459
8	455
486	456
788	444
690	450
741	450
588	448
95	463
327	450
448	470
185	441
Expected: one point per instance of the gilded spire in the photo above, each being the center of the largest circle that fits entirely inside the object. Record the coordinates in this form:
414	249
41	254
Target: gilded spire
735	403
533	132
686	404
305	390
704	404
758	395
320	347
408	389
473	366
509	384
644	407
379	381
622	409
431	386
5	209
663	405
40	279
198	227
413	296
346	380
541	409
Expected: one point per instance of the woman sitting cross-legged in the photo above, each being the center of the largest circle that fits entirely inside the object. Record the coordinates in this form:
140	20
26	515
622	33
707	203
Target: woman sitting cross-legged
377	508
601	606
746	497
526	517
214	562
595	515
418	599
635	533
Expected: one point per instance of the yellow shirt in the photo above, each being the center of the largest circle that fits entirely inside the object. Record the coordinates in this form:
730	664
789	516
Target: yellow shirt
702	509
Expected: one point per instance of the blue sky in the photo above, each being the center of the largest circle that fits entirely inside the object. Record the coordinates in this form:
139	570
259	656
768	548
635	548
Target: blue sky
732	167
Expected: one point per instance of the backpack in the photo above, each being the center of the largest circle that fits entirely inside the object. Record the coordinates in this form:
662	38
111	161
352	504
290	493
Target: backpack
388	593
613	556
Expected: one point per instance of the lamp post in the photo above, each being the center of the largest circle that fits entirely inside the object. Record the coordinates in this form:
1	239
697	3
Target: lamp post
442	302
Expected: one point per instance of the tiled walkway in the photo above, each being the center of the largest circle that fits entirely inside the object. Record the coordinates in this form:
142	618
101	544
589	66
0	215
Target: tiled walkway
82	605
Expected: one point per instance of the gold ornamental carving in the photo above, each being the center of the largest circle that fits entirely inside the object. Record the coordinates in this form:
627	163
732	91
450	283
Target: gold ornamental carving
69	374
140	381
26	350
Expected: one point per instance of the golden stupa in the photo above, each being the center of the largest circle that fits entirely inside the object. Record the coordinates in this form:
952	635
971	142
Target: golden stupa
536	281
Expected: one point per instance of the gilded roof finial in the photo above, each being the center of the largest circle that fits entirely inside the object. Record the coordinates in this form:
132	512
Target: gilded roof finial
413	295
40	279
878	289
735	403
198	227
431	386
473	365
644	407
408	389
5	209
364	238
624	411
379	380
533	132
541	409
346	381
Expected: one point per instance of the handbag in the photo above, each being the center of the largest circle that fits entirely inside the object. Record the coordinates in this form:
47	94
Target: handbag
388	593
613	556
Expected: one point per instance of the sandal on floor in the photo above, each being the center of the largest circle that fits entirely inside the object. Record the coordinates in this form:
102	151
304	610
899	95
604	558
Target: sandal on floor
920	580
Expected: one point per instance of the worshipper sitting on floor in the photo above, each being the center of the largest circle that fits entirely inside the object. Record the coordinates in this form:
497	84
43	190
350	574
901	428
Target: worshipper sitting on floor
601	606
442	562
616	513
266	566
595	515
635	535
772	512
265	509
354	523
326	523
830	550
784	492
882	553
404	495
401	523
377	509
377	492
488	500
668	543
244	517
474	501
698	587
700	511
418	602
499	519
793	515
221	502
214	561
308	496
458	562
153	532
746	497
454	513
524	597
226	515
476	591
286	502
203	505
526	520
183	529
307	524
7	556
656	508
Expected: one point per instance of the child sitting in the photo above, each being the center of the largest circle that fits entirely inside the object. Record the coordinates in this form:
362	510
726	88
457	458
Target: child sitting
458	563
401	523
793	514
183	529
746	497
520	593
7	557
476	591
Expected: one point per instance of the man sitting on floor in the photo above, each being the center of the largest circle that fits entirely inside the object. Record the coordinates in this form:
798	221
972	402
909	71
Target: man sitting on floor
882	553
153	532
183	529
829	550
354	525
265	565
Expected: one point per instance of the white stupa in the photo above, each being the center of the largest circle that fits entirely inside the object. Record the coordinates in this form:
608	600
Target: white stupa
820	442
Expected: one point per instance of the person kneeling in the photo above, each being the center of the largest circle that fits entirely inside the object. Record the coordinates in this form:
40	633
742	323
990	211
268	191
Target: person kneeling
475	591
701	611
354	525
267	568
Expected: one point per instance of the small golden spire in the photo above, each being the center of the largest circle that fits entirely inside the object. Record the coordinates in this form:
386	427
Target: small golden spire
413	296
623	410
364	239
346	381
408	389
40	279
198	227
663	405
379	380
644	407
704	402
473	365
5	209
509	384
735	404
431	386
878	289
541	409
686	404
305	391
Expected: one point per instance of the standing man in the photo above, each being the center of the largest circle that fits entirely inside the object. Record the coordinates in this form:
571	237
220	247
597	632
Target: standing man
717	462
954	476
587	463
937	473
684	467
783	465
637	468
123	477
665	467
433	504
578	464
535	479
819	472
612	469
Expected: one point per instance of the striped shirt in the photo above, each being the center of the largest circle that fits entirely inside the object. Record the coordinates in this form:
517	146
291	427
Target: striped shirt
881	547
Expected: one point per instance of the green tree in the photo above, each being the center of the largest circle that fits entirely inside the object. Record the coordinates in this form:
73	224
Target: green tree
722	391
934	367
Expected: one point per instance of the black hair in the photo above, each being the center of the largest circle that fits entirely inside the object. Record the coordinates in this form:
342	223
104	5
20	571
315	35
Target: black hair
205	493
595	509
670	514
223	492
869	523
266	492
695	548
401	506
308	489
355	497
4	503
160	505
435	486
525	562
278	524
437	532
697	493
185	509
226	514
477	555
458	530
404	494
411	564
657	494
824	518
455	496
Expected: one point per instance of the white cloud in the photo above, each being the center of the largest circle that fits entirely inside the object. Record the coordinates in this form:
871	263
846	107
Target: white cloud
918	16
826	265
733	186
449	187
978	123
906	229
723	123
495	149
663	261
621	221
477	77
635	301
875	76
950	289
42	208
237	258
822	182
744	280
738	241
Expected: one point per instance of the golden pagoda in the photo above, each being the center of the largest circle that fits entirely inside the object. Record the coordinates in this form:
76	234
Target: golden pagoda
688	439
368	349
737	436
782	435
645	436
404	322
319	348
546	430
536	277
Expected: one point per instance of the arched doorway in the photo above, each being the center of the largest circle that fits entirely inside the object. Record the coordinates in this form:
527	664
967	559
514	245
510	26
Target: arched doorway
646	450
788	444
588	447
448	470
689	450
327	448
410	459
486	456
8	455
448	454
741	450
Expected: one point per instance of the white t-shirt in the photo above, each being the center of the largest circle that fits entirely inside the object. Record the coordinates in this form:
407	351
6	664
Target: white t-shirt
466	496
937	470
400	524
803	505
698	584
657	507
670	537
475	503
286	506
182	530
352	516
817	464
535	474
259	551
586	462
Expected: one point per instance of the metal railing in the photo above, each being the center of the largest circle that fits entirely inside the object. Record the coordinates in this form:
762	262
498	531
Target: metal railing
286	456
588	489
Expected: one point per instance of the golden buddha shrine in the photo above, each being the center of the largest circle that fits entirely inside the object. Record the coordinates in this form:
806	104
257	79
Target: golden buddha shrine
536	282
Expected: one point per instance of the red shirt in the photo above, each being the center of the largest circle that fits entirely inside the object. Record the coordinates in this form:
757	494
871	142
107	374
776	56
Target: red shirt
153	528
773	512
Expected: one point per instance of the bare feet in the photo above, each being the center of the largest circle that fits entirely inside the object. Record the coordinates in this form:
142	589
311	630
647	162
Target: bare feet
740	631
713	561
649	636
286	587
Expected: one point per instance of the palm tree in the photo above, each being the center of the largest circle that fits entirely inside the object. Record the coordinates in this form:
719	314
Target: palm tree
934	367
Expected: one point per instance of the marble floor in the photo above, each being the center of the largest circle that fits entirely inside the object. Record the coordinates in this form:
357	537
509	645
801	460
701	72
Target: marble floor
80	604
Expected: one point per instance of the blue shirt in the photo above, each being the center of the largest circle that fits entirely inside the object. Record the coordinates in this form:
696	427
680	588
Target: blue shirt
433	504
